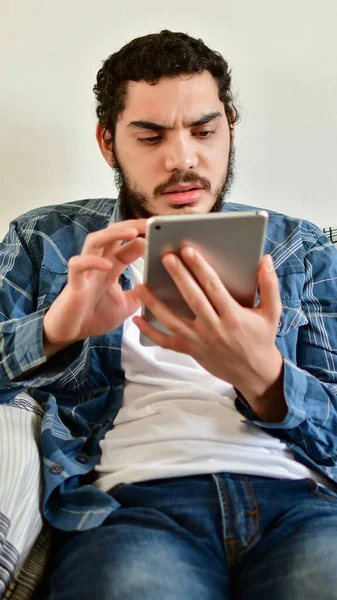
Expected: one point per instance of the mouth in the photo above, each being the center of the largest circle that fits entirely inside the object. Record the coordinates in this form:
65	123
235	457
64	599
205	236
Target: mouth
183	187
184	194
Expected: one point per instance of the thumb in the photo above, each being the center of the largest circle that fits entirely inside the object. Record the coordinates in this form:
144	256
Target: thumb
132	301
270	300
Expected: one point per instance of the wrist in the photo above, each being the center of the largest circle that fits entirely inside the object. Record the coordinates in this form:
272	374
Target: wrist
50	346
264	392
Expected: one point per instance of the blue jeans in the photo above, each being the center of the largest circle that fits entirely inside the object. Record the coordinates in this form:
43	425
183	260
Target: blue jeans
207	537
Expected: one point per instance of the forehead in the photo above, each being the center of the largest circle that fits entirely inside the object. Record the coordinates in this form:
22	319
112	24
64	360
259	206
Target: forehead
177	98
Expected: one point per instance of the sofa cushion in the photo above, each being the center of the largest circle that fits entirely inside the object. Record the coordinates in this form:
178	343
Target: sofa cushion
331	233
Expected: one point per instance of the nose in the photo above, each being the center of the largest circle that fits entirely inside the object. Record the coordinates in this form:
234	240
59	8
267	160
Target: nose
181	156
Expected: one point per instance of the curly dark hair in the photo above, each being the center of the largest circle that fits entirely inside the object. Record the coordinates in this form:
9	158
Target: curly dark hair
148	58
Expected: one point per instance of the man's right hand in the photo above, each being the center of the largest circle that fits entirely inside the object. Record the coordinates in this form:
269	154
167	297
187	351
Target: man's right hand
92	302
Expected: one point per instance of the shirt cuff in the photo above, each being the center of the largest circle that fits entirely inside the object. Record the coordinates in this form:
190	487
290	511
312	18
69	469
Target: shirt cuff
294	389
29	354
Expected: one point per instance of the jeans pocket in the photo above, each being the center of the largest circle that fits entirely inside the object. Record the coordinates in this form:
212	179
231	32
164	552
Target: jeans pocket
119	486
320	491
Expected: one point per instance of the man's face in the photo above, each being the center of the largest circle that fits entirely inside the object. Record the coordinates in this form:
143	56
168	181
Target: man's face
173	147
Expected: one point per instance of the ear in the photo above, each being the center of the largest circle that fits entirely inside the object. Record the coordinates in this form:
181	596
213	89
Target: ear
105	147
231	122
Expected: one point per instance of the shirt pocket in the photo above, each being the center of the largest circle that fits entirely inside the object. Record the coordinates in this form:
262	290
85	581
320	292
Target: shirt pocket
291	282
53	278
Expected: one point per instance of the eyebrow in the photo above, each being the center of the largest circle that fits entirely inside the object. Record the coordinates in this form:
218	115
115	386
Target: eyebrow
159	127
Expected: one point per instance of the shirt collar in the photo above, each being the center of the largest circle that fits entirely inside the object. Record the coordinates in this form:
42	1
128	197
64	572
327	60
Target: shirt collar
116	214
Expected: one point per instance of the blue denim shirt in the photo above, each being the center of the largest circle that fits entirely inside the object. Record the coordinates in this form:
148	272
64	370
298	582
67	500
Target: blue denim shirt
81	389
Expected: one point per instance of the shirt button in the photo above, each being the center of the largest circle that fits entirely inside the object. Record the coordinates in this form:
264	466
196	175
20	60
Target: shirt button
81	458
56	469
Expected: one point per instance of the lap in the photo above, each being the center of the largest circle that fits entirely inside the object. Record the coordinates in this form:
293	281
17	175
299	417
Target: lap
169	544
137	555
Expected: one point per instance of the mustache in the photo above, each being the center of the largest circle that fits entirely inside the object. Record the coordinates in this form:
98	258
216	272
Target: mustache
178	178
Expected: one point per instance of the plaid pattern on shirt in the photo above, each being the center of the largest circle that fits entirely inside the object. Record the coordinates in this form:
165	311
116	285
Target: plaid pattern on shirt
81	389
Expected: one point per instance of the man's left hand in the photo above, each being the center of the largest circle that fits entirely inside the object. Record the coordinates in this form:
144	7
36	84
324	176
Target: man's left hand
233	343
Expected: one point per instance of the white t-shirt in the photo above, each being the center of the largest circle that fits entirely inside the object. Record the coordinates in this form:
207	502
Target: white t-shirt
178	420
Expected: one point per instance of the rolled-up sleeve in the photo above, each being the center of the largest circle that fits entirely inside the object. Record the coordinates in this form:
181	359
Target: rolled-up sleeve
310	384
21	323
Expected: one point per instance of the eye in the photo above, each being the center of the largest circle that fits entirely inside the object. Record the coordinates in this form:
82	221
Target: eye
150	141
204	134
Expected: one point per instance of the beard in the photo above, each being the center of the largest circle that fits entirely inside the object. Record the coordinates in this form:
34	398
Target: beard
135	204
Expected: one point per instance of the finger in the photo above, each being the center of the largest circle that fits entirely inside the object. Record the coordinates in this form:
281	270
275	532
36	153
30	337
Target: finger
139	224
79	265
164	340
180	327
132	301
191	291
210	282
96	242
270	300
131	251
125	255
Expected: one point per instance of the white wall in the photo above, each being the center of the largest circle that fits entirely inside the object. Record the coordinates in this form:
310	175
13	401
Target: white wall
284	60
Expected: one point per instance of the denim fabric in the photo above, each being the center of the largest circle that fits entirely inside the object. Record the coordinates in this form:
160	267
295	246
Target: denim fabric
206	537
81	389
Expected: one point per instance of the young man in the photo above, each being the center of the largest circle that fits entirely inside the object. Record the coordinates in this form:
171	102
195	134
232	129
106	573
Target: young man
204	466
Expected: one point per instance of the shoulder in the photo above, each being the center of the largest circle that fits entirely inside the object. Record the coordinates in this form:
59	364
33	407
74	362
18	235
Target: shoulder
91	211
287	238
62	228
